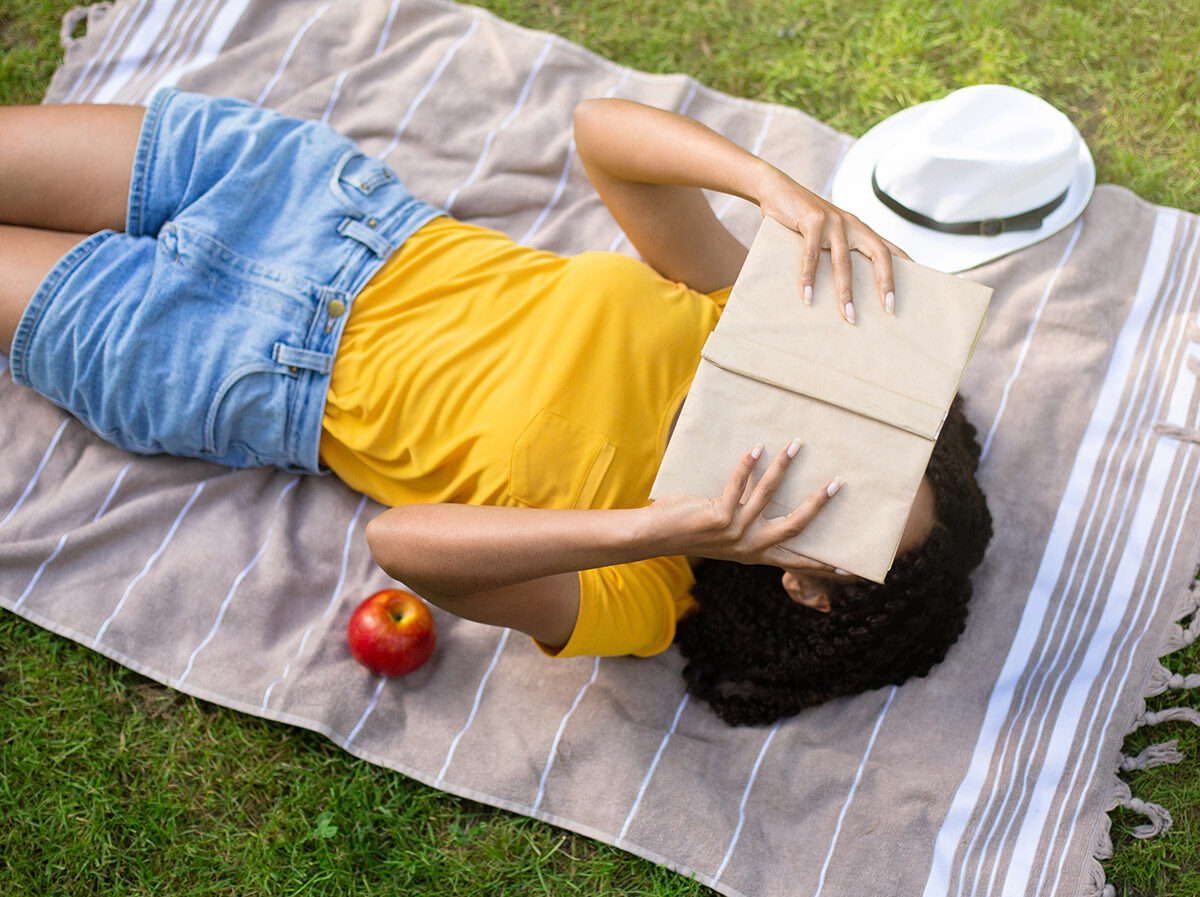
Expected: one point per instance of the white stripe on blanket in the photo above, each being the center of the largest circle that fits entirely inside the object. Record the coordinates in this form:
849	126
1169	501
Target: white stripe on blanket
1001	706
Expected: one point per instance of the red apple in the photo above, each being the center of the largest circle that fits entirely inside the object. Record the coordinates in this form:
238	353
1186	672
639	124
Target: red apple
391	633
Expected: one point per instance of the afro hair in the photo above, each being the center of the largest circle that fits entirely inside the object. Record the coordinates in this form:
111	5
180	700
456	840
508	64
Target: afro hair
756	656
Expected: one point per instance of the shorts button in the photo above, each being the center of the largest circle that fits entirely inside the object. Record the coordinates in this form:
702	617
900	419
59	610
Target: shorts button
372	222
336	308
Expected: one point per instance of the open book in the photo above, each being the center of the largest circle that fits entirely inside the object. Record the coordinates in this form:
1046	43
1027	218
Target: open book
867	401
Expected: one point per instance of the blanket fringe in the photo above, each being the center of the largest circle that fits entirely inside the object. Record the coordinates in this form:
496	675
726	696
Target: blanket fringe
1168	715
1183	633
1184	434
1096	886
1179	635
1163	754
1162	679
1159	818
1120	796
72	18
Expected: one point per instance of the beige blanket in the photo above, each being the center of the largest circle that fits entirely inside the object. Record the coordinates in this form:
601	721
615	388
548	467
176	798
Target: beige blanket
991	776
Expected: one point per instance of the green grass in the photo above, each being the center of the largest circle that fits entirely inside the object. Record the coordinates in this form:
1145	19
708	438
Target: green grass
110	784
29	48
1125	73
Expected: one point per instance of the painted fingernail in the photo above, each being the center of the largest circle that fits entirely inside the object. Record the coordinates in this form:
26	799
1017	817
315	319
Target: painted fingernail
756	451
840	572
808	295
850	312
889	303
793	447
834	485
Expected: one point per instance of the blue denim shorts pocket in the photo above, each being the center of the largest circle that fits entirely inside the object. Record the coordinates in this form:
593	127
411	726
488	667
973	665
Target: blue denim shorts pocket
243	310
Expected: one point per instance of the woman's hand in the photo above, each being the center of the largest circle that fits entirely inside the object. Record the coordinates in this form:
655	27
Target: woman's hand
732	527
650	167
825	226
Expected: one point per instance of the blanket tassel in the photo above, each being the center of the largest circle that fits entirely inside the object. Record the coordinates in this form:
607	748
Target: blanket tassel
1169	715
1162	679
1179	635
1165	752
72	19
1162	754
1159	818
1172	431
1097	885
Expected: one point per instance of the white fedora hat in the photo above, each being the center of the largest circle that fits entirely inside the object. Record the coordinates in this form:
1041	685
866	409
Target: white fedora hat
957	182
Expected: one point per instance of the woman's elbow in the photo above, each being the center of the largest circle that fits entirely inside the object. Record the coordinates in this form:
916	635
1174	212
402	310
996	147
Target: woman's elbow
399	547
584	110
381	541
592	117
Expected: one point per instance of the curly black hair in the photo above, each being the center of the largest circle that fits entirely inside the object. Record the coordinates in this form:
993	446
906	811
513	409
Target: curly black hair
756	656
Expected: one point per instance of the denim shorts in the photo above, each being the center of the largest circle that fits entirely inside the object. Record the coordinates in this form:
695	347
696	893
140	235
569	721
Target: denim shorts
208	329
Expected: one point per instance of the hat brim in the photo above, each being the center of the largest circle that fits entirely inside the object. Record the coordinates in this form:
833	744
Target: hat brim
851	190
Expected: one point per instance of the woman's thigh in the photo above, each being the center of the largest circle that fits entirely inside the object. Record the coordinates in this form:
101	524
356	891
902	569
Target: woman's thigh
26	256
67	168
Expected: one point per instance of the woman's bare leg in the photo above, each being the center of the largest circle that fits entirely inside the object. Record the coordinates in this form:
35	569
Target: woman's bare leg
64	173
26	255
67	167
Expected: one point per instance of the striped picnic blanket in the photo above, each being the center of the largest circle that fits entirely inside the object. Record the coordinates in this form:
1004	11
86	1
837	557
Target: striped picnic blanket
990	776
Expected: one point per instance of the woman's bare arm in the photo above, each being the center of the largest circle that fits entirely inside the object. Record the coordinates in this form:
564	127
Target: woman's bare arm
517	567
649	166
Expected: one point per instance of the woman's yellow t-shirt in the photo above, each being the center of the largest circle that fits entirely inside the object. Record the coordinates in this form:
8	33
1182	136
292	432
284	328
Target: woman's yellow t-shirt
476	370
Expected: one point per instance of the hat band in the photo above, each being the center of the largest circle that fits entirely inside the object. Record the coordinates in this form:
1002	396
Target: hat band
985	227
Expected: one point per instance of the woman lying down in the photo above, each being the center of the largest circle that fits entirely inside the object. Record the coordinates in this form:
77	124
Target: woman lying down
210	279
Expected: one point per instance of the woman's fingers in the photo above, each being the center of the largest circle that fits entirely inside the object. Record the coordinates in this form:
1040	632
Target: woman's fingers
856	236
881	262
791	525
772	531
734	526
813	243
843	274
731	497
879	251
766	487
842	233
803	515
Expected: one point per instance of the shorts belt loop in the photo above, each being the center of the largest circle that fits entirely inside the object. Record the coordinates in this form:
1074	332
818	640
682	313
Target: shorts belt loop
320	362
364	232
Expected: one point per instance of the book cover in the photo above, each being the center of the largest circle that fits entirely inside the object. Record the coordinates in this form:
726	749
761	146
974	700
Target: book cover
866	400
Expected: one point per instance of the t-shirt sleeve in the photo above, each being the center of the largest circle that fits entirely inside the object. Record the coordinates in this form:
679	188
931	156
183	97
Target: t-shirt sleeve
630	608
